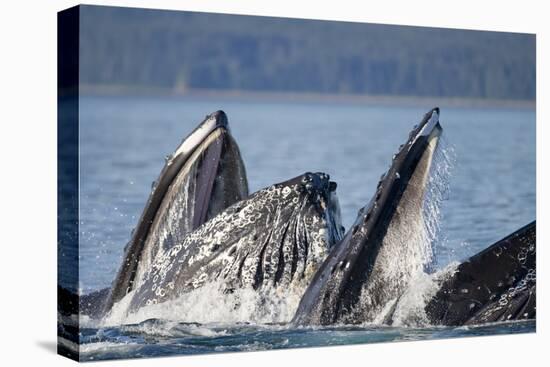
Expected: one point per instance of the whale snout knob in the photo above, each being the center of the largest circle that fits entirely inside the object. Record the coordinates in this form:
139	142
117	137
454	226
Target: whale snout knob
318	182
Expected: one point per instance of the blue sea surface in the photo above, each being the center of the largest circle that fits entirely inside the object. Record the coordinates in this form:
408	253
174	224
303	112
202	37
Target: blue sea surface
123	142
155	338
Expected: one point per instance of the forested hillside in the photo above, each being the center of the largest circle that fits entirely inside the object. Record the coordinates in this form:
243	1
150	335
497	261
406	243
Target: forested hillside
183	50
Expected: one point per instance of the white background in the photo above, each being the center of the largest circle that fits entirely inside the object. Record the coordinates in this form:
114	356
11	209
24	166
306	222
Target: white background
28	182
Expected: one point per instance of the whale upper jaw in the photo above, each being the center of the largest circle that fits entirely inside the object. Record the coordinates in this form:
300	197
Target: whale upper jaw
273	240
355	265
204	175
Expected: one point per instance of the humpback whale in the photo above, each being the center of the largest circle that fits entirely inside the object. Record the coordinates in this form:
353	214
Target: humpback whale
204	175
201	226
371	267
497	284
275	239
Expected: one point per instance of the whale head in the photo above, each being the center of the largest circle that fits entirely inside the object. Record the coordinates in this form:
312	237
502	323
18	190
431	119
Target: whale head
275	239
203	176
370	267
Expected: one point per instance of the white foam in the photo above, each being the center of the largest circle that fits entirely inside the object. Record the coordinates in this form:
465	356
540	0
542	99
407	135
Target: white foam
174	329
110	346
411	307
118	312
209	304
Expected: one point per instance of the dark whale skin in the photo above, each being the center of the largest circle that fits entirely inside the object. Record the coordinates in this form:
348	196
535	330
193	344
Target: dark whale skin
497	284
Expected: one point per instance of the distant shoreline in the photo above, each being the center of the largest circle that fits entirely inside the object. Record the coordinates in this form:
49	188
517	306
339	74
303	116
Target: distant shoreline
391	100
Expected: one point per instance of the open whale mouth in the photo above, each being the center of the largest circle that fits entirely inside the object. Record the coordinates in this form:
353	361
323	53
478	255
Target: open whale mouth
372	263
203	176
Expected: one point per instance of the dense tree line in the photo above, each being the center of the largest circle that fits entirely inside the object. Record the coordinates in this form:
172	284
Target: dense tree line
185	50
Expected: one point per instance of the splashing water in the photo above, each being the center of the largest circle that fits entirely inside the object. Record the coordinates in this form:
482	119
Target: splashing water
409	308
437	191
210	304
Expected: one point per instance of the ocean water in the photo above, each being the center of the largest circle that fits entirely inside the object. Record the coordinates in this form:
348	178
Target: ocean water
123	142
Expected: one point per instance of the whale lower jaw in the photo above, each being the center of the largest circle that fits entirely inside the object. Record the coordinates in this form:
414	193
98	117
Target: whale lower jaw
405	250
200	191
203	176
